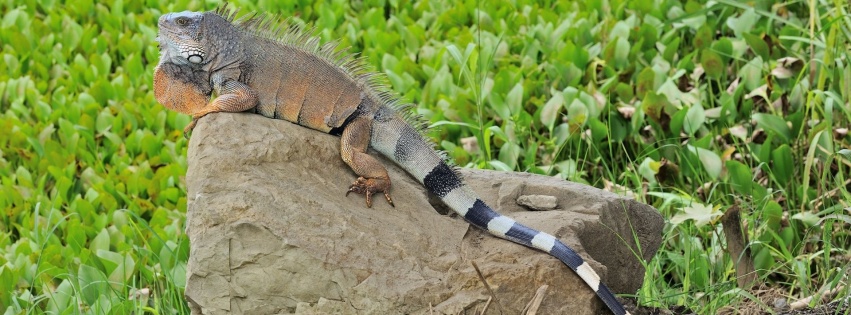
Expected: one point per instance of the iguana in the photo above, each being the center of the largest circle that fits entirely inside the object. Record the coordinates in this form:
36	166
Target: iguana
254	64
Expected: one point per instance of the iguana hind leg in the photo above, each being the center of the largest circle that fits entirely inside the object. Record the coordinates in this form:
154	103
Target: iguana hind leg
373	176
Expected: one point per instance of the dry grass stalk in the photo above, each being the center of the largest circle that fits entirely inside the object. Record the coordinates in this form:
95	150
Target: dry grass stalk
487	286
533	305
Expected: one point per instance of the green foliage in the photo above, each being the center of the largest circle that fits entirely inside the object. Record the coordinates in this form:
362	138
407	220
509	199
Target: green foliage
91	165
690	106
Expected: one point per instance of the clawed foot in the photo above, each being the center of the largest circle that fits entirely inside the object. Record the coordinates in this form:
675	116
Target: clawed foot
189	128
369	186
194	122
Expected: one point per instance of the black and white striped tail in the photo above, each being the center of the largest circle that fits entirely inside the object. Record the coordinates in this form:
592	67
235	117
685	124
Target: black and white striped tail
396	139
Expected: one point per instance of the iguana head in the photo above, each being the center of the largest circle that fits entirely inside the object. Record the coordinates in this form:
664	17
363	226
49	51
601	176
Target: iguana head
181	38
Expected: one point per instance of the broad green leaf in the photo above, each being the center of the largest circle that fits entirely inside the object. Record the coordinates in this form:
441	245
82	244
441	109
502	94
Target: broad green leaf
788	235
178	275
671	199
569	170
123	272
700	270
740	177
500	166
773	214
621	53
75	235
675	96
100	242
654	105
170	194
808	218
128	307
514	99
577	113
752	74
23	177
60	298
609	53
648	169
8	279
743	23
763	259
757	45
677	120
599	130
620	30
619	128
624	91
712	64
773	124
693	22
150	144
724	48
783	168
119	218
645	82
648	34
92	283
17	18
846	153
710	160
704	37
509	153
551	109
671	49
561	133
110	260
576	55
694	119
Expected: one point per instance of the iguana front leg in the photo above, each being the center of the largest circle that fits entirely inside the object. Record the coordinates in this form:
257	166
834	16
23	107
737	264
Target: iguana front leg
373	176
233	96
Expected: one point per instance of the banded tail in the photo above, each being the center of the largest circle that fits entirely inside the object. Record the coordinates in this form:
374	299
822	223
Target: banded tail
396	139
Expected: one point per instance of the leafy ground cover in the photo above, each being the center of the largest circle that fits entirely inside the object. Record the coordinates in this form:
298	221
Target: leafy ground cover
699	108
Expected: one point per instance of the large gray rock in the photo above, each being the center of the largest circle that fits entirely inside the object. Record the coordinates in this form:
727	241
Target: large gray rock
272	233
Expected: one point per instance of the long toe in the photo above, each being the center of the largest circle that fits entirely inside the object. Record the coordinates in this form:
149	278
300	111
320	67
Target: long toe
370	186
368	199
389	200
188	129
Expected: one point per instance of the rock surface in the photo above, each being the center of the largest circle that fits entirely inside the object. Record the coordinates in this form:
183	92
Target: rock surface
272	233
538	202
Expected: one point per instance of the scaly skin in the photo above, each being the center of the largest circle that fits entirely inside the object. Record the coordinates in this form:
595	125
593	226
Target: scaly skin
373	176
178	94
305	90
252	68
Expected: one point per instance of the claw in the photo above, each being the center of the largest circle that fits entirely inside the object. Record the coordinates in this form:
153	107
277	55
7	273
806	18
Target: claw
389	200
368	200
188	129
369	186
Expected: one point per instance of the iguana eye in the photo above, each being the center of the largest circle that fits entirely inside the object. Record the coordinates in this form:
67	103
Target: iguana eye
182	21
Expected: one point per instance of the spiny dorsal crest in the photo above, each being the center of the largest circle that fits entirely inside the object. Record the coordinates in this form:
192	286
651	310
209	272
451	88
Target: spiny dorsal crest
284	32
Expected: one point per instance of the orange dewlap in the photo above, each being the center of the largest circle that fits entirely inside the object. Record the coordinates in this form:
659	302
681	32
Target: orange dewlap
176	95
